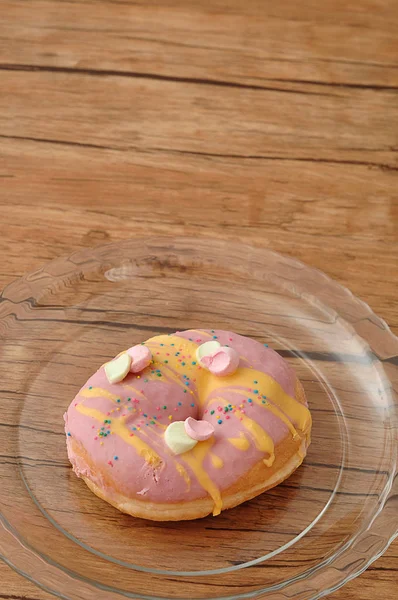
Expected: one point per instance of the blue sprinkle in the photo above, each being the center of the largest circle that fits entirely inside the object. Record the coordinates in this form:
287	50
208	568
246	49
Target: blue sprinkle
192	404
265	397
183	364
69	434
194	362
145	415
187	383
172	344
162	344
115	458
134	428
249	400
90	387
266	345
219	421
214	337
147	424
118	400
255	391
180	403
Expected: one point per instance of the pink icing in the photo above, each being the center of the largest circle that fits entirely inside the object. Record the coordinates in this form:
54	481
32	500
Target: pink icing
198	430
131	473
141	357
222	362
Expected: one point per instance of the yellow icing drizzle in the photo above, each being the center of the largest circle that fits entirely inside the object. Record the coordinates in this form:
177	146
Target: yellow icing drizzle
216	461
243	378
97	392
262	440
120	429
133	389
194	458
241	443
276	411
184	475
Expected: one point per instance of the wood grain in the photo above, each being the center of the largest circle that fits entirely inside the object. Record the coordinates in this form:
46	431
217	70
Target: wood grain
271	123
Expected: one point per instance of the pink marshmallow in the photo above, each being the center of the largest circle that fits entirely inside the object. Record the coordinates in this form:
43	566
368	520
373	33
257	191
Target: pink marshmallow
141	357
223	361
198	430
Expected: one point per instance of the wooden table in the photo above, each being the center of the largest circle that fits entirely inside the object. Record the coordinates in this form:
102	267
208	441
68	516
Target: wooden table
268	122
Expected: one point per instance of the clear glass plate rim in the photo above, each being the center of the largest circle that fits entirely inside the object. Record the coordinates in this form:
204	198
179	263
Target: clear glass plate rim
90	254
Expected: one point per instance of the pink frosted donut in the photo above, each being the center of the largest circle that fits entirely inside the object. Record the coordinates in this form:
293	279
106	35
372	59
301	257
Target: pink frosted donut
257	433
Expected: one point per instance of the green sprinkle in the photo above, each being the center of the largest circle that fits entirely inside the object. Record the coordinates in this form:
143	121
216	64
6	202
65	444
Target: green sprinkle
152	422
255	381
159	374
164	407
212	412
166	361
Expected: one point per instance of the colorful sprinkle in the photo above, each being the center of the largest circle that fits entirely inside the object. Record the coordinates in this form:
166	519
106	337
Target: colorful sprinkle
219	421
115	458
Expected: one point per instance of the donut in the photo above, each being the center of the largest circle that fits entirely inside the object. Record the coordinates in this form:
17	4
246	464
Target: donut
188	424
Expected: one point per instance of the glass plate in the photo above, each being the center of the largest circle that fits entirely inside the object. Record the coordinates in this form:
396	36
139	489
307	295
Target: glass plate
322	527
